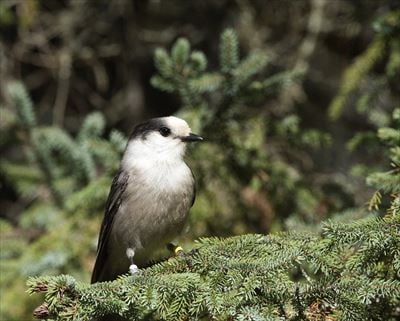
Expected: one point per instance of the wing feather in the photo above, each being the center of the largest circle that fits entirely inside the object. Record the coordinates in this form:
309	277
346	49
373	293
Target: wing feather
194	188
113	203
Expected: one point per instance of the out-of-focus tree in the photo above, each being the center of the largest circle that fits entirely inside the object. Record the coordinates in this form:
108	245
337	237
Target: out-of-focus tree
63	182
274	159
250	168
349	272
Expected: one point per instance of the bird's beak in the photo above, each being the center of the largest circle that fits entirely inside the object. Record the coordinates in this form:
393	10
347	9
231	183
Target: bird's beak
192	138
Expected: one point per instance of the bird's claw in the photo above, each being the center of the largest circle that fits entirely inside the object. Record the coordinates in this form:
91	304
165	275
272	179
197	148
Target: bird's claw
176	250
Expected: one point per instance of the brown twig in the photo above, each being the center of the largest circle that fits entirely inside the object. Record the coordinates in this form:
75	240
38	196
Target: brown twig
64	76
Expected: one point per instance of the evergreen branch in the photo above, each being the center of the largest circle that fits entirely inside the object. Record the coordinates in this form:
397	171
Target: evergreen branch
180	52
354	74
23	105
76	157
387	181
389	134
250	66
90	197
162	84
47	166
198	61
92	127
375	201
249	275
163	62
206	83
229	51
118	140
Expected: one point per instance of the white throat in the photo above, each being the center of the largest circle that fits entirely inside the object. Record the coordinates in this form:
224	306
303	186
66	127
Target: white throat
163	167
143	153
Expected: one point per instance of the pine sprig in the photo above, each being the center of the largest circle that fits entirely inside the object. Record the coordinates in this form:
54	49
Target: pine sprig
62	181
249	275
184	72
23	104
229	51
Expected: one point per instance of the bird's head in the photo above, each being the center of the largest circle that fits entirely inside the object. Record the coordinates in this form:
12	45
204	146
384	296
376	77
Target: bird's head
163	139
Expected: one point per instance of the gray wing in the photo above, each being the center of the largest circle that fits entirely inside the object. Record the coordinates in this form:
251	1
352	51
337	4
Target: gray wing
194	188
113	203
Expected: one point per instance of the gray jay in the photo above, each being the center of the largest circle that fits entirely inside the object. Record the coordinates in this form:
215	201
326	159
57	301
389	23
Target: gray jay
149	200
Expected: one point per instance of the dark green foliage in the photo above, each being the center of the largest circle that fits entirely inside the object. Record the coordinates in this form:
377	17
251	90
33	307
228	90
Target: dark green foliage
366	89
347	269
65	164
386	41
184	71
388	182
63	182
250	151
259	94
349	272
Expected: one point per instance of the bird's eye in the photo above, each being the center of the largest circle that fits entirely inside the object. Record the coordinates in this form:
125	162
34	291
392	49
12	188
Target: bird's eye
165	131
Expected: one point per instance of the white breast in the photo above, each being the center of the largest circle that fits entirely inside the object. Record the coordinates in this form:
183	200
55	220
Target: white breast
155	207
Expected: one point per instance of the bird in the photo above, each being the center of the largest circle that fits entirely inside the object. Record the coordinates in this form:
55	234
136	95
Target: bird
149	200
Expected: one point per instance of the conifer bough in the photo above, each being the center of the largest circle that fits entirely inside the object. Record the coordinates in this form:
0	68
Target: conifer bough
349	272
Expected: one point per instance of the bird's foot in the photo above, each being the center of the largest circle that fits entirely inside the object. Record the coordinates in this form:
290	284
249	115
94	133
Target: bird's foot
176	250
179	251
133	269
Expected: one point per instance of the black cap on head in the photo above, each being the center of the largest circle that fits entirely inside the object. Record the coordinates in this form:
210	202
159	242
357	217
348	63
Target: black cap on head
142	129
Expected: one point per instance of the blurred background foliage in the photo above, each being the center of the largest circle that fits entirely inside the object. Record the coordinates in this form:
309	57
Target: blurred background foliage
288	94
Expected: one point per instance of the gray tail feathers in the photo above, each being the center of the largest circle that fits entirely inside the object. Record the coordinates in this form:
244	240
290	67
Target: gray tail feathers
106	271
97	272
103	270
